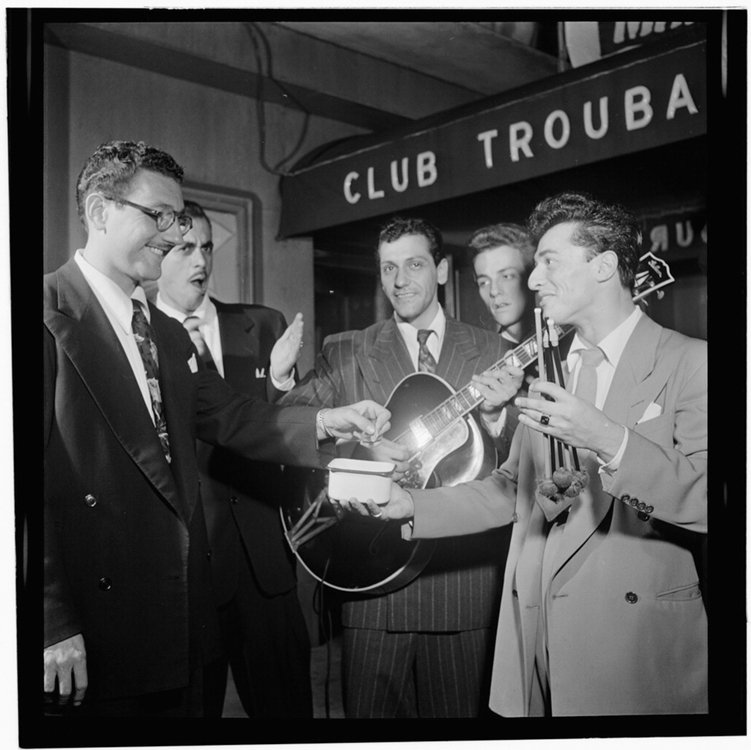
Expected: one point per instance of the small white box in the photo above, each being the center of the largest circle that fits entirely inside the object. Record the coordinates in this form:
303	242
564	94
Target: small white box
364	480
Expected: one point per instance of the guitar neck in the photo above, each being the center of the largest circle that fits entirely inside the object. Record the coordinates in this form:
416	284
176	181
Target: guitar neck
654	274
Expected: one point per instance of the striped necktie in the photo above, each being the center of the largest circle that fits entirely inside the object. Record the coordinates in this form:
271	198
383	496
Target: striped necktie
150	358
425	360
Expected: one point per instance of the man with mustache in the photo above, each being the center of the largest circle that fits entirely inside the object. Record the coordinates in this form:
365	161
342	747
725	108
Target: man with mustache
264	633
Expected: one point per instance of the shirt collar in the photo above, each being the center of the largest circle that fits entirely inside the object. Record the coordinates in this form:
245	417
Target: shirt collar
119	304
612	345
206	310
438	324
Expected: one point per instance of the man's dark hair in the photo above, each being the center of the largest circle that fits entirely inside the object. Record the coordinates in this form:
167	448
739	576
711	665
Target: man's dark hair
112	167
495	235
400	226
195	211
601	227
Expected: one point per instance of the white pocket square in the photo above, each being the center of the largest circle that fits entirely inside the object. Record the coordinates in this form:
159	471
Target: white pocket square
652	411
192	363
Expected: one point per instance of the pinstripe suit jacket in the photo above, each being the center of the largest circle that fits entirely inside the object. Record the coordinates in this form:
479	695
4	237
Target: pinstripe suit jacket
460	587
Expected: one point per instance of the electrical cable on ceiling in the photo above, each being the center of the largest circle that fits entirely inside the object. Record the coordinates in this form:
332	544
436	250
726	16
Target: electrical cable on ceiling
253	30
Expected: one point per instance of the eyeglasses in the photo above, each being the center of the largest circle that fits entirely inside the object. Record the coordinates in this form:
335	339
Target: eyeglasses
164	218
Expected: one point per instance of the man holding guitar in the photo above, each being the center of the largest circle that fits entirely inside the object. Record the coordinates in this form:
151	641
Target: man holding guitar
394	642
601	612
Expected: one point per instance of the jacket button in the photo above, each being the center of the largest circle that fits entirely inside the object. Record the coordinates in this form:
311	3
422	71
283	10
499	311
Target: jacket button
642	506
633	502
649	509
90	500
233	500
625	498
631	597
105	584
642	516
515	594
208	555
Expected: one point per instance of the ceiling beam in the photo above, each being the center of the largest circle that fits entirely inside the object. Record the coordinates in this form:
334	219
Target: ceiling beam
146	55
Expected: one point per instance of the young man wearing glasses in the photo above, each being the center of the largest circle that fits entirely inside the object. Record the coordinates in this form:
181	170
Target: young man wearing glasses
128	609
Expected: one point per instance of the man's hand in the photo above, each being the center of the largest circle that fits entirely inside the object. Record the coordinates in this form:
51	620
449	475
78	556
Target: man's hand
65	662
386	450
191	326
399	506
498	386
571	420
286	350
365	421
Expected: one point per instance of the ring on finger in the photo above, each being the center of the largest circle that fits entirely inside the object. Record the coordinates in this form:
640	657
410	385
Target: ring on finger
545	420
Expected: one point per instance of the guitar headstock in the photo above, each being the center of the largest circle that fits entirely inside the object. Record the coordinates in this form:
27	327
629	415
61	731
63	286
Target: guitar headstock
653	274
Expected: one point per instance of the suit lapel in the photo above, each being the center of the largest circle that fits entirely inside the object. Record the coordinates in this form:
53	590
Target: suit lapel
458	355
624	404
632	389
240	350
384	361
85	334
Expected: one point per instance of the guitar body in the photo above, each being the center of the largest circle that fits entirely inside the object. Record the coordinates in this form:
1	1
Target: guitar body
357	554
459	454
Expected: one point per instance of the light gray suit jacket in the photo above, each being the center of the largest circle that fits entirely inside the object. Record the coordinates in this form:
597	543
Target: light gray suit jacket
627	624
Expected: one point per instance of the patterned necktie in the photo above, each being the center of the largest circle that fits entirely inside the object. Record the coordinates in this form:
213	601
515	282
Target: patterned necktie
192	323
425	360
150	358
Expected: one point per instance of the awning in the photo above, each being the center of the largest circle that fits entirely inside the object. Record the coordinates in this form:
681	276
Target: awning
637	100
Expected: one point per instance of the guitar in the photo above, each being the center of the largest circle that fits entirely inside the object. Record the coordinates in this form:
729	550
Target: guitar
447	446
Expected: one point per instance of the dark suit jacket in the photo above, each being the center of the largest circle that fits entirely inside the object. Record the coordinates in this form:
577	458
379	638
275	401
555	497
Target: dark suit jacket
126	555
459	588
241	497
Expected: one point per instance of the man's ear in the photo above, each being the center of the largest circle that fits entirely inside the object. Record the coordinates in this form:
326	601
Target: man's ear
443	271
607	265
95	210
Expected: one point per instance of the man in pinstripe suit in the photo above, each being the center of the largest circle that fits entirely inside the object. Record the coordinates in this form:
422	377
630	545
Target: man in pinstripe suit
421	651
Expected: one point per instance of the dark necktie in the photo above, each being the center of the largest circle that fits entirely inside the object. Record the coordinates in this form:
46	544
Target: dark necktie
191	323
147	349
425	360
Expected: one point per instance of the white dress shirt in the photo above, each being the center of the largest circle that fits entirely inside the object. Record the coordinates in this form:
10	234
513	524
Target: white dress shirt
612	347
435	343
208	326
119	310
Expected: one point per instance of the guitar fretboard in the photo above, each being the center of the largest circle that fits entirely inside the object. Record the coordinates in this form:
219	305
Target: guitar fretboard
654	274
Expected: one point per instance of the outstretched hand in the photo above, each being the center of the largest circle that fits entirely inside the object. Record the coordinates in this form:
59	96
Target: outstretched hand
364	421
286	350
571	420
399	506
391	452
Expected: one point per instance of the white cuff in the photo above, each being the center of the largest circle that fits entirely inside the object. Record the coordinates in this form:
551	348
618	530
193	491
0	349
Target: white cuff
612	466
287	385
